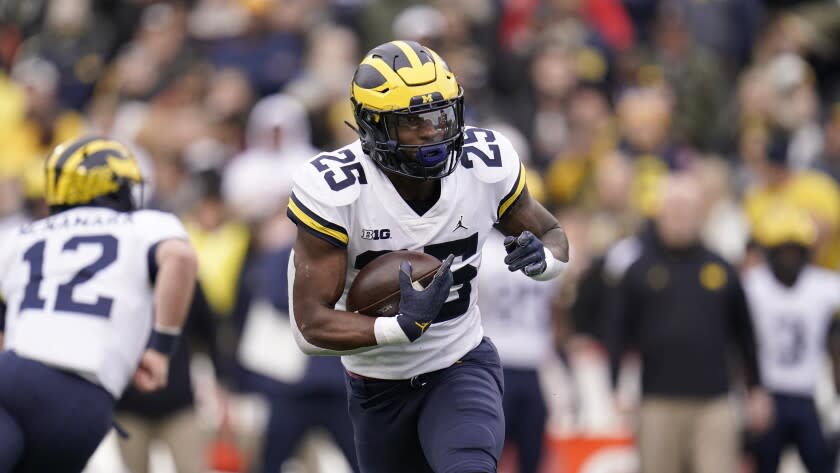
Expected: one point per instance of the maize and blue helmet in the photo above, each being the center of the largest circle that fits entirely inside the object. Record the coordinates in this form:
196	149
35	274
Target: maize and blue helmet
402	88
93	171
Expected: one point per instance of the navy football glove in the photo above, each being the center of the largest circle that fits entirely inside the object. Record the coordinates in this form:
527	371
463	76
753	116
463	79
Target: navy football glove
418	309
525	252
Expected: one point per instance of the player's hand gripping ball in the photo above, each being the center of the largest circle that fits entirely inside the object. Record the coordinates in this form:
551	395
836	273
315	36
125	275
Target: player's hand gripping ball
415	296
376	289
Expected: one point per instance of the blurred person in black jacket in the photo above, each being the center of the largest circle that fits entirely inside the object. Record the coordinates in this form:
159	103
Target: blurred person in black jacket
682	307
168	415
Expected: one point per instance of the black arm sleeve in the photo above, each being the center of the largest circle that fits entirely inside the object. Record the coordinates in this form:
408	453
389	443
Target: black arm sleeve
621	320
201	326
743	335
588	308
2	316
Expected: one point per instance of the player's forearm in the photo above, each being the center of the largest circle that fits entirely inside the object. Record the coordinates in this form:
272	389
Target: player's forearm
1	341
334	330
174	285
557	243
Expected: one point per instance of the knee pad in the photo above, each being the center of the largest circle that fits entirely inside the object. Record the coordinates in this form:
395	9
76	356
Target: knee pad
472	448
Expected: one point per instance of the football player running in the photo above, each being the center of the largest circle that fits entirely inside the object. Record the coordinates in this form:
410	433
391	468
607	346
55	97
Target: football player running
94	295
794	305
425	386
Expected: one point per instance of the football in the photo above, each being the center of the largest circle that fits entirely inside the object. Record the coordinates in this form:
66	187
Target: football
376	289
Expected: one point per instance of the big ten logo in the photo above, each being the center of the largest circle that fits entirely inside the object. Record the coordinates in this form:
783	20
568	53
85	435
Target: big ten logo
381	234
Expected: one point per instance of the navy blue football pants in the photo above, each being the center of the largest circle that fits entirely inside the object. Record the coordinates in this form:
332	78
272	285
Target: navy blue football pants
796	423
525	415
447	421
50	420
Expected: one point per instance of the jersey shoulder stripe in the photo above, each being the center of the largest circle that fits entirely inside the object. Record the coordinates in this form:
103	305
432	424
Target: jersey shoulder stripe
514	193
315	224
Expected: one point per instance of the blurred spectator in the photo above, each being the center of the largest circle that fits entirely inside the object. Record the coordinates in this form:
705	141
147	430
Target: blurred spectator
228	101
572	176
158	52
11	203
516	315
811	30
79	42
257	181
376	22
830	161
728	29
42	123
645	117
794	306
810	191
173	192
613	216
270	50
322	85
794	108
694	74
424	24
682	306
215	19
726	230
224	247
10	39
168	415
176	117
552	76
302	392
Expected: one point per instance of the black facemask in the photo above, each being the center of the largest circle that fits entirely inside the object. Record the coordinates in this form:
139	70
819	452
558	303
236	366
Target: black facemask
787	261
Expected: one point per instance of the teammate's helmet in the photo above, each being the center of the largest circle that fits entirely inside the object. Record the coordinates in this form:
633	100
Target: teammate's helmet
93	171
409	110
785	225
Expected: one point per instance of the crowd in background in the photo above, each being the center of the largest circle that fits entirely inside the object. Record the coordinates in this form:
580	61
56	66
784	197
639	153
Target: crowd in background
603	99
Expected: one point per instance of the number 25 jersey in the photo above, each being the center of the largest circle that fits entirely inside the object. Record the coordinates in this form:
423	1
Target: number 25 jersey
345	199
78	291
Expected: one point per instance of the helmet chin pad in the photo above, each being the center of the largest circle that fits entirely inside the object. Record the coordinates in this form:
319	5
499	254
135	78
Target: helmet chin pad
432	155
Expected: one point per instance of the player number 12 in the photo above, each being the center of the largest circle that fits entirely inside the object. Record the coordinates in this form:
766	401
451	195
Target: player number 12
64	296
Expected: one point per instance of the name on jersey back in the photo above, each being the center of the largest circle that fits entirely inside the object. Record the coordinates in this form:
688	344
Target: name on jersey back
68	220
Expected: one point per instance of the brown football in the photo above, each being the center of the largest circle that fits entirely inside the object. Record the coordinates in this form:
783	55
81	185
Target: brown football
376	289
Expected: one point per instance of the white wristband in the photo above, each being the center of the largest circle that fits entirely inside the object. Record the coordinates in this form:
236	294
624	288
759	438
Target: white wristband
388	331
175	331
553	267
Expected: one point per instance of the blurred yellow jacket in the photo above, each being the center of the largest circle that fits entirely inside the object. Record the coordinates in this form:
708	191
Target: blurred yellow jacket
221	256
812	192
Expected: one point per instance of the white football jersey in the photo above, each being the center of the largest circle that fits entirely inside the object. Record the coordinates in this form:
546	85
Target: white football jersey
515	309
345	199
78	291
791	325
